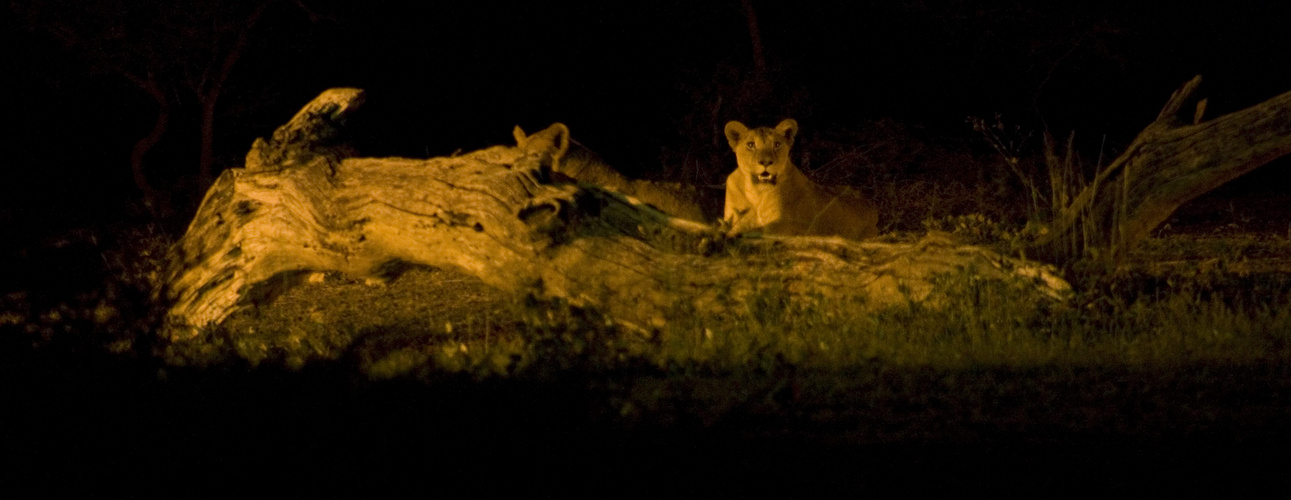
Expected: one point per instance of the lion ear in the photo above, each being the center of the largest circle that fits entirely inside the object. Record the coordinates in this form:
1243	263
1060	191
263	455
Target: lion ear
788	128
734	131
560	138
552	141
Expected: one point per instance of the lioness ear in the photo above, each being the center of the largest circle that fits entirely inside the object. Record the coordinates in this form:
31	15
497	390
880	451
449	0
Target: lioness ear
552	141
734	131
559	138
788	128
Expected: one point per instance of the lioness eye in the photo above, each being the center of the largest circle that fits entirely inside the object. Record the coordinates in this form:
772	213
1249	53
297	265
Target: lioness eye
777	144
750	145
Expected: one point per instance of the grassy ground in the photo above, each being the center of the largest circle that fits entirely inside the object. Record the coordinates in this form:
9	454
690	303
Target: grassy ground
1168	374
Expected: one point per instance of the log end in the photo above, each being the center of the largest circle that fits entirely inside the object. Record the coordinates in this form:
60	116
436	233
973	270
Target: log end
317	131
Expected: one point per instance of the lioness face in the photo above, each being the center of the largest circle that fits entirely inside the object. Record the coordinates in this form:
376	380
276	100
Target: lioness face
550	143
762	153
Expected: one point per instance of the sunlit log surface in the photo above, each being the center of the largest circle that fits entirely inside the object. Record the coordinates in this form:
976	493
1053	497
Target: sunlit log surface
302	206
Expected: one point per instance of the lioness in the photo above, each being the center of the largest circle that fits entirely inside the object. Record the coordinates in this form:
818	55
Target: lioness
768	192
578	163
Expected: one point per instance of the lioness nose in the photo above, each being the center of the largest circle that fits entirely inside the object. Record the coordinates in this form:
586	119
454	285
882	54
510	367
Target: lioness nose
766	162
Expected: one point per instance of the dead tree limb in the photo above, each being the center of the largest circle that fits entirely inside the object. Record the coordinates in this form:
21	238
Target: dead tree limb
303	206
1173	160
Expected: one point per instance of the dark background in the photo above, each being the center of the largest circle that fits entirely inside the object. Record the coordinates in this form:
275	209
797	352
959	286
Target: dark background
646	84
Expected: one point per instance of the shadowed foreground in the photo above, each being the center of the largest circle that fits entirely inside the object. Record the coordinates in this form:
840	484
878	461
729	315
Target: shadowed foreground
79	420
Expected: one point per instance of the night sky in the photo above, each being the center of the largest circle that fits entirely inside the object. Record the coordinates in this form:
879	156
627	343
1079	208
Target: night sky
635	81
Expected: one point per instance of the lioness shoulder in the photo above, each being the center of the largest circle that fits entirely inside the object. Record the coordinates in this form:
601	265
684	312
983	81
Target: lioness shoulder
767	192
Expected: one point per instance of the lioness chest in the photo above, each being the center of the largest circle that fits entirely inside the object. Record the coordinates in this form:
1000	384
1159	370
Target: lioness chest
788	207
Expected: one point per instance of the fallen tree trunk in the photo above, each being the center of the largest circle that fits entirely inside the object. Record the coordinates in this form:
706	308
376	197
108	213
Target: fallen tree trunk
1172	161
303	206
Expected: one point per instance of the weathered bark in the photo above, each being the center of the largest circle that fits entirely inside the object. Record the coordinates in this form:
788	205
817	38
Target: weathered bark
301	206
1171	161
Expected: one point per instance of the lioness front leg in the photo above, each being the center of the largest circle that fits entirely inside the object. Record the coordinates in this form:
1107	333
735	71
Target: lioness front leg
742	222
738	215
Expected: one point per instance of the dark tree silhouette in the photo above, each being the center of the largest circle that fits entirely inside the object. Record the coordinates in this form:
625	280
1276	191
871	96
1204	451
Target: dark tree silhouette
171	52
